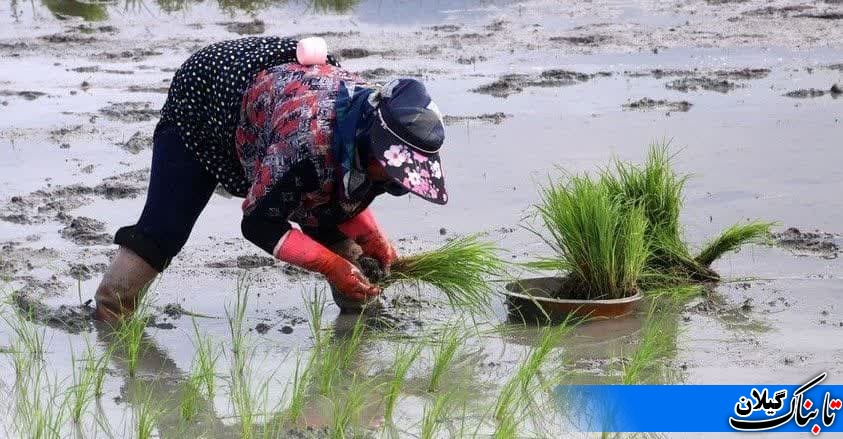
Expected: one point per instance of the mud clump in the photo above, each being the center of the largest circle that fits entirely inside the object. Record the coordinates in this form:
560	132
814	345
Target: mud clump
803	93
660	104
516	83
745	74
84	271
130	111
86	231
582	40
377	73
355	52
445	28
29	95
262	328
68	39
254	261
137	143
70	318
493	118
371	268
255	27
814	243
822	16
771	11
702	82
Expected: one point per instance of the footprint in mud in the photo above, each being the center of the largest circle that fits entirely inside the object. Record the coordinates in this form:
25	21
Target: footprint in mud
814	243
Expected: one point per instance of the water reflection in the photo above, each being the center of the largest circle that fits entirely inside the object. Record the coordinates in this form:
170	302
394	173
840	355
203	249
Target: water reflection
98	10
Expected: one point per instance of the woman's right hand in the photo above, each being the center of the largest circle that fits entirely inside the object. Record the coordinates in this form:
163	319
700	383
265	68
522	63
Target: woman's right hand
350	281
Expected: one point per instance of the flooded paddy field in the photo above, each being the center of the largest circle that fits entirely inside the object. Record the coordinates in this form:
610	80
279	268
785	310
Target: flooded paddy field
748	93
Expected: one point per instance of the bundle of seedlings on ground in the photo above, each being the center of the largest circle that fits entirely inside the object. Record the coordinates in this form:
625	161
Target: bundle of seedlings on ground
597	240
656	189
459	269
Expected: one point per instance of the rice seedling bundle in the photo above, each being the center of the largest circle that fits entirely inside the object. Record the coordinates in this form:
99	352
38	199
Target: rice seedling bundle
599	241
459	269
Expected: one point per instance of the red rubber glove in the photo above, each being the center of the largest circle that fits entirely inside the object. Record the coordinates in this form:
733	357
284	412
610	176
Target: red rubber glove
364	230
301	250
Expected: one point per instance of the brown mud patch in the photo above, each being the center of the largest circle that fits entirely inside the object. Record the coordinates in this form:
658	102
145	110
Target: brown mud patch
86	231
254	27
244	262
515	83
29	95
54	203
816	243
492	118
137	143
702	82
802	93
648	104
130	112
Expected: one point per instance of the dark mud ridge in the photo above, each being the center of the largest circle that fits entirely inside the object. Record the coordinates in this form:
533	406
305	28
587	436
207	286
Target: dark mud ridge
814	243
254	27
131	111
834	91
516	83
244	262
493	118
86	231
661	104
137	143
702	82
43	204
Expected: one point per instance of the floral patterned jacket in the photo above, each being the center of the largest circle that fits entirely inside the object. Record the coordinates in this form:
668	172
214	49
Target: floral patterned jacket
284	143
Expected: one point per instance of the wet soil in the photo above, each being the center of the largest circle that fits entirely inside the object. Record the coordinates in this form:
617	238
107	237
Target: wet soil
746	149
814	243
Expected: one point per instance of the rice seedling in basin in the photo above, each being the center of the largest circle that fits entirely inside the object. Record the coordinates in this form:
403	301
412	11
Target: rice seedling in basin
657	189
459	269
598	241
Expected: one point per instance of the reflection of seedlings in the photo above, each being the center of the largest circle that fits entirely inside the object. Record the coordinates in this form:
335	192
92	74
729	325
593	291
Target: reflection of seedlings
241	380
443	355
36	413
434	414
28	344
189	405
298	392
350	410
519	391
401	363
130	333
600	242
332	356
146	416
657	341
458	269
204	363
87	383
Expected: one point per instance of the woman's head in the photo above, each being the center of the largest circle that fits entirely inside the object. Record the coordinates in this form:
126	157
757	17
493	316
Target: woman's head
404	139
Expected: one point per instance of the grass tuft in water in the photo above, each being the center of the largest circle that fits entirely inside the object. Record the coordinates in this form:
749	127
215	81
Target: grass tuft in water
190	398
598	240
146	417
347	414
444	352
86	383
459	269
130	332
732	239
401	364
298	392
434	415
204	363
657	342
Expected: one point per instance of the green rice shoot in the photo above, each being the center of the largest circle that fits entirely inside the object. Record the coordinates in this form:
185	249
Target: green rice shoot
459	269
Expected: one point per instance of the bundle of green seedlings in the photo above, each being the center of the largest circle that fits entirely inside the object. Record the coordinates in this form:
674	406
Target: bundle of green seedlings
620	231
459	269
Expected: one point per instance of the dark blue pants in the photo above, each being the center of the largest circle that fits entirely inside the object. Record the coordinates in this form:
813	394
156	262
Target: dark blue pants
179	189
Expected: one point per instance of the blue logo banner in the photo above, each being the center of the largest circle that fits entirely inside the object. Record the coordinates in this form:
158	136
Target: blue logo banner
808	407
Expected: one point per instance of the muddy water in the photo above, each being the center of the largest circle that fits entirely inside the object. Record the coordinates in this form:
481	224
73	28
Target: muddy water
78	97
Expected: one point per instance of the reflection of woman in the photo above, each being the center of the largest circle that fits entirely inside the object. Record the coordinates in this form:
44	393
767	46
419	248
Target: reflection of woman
310	144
